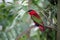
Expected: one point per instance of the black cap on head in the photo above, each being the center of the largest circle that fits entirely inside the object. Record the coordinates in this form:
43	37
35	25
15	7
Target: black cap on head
29	10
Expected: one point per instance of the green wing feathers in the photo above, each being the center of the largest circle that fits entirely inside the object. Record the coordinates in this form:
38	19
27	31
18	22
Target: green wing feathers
39	21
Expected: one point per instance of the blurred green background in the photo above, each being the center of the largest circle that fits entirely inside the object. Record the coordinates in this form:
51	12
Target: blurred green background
14	19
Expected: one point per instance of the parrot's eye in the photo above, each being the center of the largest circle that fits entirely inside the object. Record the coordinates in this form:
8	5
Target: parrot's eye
29	10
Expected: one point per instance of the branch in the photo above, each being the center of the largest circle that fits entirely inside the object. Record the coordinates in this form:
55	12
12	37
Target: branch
25	32
28	31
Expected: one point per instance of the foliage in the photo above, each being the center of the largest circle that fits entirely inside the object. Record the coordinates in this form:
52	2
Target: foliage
14	19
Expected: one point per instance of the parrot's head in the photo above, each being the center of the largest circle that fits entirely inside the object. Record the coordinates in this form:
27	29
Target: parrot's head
31	12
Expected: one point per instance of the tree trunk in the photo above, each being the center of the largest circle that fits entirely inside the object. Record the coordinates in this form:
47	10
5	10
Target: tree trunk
58	19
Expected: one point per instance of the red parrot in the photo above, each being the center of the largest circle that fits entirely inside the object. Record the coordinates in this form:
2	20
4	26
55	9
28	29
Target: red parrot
36	19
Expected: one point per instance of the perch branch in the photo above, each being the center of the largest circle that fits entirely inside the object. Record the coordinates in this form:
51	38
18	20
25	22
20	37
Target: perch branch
25	32
28	30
